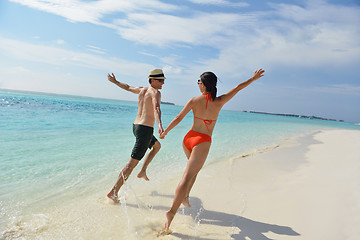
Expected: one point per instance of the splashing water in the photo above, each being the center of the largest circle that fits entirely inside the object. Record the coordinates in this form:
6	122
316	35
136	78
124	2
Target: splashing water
197	221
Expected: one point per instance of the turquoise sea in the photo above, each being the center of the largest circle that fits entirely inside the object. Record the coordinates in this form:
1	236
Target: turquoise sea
55	149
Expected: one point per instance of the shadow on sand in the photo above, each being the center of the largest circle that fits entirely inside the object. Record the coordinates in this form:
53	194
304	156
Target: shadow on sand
248	228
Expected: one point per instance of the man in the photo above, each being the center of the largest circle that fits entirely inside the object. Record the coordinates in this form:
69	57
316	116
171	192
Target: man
148	112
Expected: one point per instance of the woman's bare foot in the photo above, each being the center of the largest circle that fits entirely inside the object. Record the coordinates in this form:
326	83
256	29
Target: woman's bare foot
169	217
113	197
186	202
142	174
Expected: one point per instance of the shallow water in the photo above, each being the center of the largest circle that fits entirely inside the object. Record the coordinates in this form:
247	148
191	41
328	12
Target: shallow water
61	153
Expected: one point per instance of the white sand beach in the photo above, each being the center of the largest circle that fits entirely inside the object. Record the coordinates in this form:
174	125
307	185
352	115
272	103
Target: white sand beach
303	188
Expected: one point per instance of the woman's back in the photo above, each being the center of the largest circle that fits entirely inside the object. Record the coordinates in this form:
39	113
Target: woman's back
206	112
207	106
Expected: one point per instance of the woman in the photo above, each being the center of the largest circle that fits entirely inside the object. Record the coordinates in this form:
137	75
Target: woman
197	141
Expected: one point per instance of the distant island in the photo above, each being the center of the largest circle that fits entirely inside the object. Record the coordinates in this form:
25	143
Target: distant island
296	115
168	103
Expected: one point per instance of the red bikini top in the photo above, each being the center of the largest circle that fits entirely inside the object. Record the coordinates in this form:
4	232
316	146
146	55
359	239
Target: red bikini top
207	122
208	98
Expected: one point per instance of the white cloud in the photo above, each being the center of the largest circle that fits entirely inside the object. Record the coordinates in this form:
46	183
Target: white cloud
318	11
60	57
147	54
221	3
291	35
342	89
314	34
163	29
171	69
96	49
93	11
60	42
304	37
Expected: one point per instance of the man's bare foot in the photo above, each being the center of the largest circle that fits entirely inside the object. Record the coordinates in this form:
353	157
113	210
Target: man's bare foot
186	202
142	174
169	218
113	197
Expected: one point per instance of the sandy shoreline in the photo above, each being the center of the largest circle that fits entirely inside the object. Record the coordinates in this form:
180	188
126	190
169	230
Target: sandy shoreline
306	188
303	188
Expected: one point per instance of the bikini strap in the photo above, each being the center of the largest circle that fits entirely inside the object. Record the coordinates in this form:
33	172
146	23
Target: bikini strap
208	98
206	122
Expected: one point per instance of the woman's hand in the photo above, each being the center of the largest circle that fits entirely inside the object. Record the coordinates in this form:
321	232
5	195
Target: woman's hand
258	74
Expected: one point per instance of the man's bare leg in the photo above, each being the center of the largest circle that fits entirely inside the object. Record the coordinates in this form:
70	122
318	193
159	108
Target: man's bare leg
195	163
123	176
149	157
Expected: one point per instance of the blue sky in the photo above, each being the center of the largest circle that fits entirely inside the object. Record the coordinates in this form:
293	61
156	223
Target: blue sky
310	50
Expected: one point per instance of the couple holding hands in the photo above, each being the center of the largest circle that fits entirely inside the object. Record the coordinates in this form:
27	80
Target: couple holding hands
197	141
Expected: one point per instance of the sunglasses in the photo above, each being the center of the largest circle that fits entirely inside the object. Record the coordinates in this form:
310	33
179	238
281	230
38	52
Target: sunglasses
200	82
160	80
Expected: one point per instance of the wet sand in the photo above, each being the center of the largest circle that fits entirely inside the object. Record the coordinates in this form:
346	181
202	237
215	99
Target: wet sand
302	188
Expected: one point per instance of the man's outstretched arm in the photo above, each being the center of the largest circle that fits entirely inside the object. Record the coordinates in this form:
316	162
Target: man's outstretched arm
124	86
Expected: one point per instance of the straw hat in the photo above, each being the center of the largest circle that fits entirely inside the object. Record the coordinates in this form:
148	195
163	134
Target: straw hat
156	74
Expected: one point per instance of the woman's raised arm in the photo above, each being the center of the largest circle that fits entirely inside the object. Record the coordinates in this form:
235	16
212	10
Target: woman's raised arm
229	95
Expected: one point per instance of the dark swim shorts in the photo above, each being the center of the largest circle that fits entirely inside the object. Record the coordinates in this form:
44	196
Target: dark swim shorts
144	140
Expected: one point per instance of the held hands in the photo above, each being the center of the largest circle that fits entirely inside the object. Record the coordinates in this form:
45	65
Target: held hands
258	74
162	134
161	130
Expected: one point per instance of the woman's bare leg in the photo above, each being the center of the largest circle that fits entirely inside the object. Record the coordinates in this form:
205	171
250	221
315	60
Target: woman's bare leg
196	161
185	201
186	151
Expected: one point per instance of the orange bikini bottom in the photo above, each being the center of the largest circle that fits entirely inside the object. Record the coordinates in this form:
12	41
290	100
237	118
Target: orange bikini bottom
193	138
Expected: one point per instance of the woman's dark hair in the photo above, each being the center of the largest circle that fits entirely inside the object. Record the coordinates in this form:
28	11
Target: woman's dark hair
209	79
